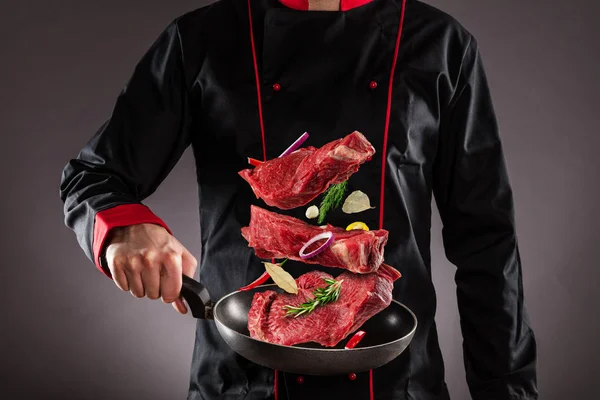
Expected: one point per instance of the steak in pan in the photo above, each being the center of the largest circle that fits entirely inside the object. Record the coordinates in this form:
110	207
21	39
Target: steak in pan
361	297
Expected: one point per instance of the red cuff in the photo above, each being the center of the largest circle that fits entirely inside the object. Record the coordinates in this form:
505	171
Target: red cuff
123	215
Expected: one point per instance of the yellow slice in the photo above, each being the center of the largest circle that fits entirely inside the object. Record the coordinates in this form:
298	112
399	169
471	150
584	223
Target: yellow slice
357	225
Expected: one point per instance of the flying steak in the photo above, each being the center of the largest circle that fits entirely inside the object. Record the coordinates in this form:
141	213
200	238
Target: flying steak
296	179
280	236
361	297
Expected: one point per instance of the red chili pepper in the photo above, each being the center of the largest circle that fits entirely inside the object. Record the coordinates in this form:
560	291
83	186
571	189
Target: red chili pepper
254	162
261	279
354	340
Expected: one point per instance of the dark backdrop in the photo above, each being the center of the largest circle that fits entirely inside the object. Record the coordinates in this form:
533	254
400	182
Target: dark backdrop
68	333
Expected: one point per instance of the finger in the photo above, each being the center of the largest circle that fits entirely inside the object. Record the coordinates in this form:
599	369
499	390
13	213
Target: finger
170	278
188	263
179	305
134	277
120	279
151	277
117	272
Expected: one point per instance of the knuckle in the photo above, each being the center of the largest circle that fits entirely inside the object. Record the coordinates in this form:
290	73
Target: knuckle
136	263
119	261
170	259
171	269
136	259
171	254
151	257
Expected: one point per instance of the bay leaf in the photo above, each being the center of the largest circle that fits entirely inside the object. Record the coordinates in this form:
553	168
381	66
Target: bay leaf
281	277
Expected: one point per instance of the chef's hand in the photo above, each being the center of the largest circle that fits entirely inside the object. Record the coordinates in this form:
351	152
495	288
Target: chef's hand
146	260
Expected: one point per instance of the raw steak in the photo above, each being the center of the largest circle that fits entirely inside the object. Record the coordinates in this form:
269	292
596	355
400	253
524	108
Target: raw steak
361	297
296	179
280	236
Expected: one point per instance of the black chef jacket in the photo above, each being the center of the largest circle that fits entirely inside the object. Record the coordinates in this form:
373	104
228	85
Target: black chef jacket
327	73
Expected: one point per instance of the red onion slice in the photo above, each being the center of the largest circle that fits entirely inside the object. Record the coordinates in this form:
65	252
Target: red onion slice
320	236
295	145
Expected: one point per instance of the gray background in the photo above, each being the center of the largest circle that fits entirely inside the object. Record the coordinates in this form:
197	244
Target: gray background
67	332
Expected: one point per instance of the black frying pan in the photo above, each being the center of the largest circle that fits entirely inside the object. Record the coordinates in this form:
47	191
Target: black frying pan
388	333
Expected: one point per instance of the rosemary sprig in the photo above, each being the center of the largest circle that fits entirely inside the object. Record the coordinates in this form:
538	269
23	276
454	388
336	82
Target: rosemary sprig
322	296
332	200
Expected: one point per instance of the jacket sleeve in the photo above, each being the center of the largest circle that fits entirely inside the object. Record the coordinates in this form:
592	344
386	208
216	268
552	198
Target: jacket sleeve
132	153
474	198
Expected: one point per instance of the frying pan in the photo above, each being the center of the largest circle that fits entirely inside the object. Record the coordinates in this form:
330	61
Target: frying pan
388	334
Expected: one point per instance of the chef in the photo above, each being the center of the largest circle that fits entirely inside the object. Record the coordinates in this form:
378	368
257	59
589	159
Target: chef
244	78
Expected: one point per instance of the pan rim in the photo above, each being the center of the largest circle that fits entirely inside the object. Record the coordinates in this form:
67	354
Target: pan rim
403	338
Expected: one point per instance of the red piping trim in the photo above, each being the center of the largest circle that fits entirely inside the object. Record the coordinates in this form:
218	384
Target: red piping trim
260	111
384	152
262	134
385	139
387	117
371	391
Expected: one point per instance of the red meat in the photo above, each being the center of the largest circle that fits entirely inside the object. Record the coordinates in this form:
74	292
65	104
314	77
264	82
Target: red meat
280	236
361	297
296	179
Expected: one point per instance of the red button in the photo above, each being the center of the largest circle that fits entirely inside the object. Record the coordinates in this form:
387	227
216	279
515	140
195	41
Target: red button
373	85
300	380
277	87
352	376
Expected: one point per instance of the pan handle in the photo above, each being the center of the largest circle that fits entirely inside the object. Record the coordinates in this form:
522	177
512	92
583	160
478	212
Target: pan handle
197	297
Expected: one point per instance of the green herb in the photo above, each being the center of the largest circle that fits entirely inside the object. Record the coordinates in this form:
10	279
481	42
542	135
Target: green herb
332	200
322	296
283	262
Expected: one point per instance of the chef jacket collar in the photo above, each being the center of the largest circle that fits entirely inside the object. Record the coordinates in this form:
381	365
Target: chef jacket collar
345	5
